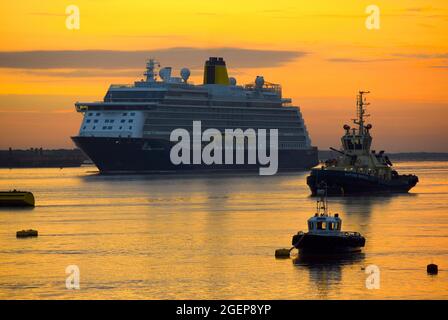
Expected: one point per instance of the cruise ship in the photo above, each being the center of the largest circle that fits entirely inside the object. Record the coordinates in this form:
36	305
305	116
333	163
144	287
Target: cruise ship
130	130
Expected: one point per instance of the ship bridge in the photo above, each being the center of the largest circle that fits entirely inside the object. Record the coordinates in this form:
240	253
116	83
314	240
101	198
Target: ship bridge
353	141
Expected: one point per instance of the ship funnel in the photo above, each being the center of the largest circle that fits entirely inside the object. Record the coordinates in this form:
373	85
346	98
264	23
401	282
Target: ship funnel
215	71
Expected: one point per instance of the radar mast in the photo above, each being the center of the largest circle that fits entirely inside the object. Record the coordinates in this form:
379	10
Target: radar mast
361	111
150	72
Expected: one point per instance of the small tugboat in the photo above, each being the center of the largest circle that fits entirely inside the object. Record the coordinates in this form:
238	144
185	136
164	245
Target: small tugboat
324	234
357	169
16	199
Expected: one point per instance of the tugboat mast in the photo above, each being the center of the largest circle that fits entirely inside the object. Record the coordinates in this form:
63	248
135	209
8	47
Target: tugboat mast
360	111
322	204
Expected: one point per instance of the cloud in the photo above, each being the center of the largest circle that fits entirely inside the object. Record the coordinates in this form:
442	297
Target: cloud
97	73
355	60
439	67
175	57
392	57
422	55
80	73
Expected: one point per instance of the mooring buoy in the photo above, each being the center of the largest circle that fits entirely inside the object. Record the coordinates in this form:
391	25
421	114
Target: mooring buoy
283	253
432	268
26	233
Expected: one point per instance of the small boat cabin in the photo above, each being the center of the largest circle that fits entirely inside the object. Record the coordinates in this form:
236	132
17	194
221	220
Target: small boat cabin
324	223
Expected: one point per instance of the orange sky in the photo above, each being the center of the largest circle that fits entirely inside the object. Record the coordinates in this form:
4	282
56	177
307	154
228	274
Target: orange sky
320	51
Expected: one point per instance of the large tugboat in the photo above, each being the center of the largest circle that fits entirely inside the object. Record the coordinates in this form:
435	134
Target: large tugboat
357	169
324	234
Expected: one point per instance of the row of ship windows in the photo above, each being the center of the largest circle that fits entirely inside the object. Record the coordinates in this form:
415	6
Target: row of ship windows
291	145
204	112
219	113
168	133
224	123
251	104
207	116
207	110
109	121
230	125
107	128
99	113
228	104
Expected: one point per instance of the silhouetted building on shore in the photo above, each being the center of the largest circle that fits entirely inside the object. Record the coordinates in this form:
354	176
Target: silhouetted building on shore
38	157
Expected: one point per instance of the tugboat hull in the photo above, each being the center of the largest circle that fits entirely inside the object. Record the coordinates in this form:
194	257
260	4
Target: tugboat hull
343	183
308	243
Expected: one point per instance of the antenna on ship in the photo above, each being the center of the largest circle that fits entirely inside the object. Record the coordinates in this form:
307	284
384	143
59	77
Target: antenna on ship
322	204
150	72
361	111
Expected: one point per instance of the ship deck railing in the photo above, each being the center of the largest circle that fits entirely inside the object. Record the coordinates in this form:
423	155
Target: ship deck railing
269	87
115	86
84	106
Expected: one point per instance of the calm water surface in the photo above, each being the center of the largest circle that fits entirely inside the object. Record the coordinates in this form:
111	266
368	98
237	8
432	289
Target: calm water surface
197	237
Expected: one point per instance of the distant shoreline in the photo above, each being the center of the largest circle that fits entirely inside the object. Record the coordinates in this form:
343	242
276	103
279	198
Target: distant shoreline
399	156
42	158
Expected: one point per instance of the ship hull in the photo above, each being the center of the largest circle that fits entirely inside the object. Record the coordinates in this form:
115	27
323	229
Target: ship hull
340	182
128	155
16	199
312	244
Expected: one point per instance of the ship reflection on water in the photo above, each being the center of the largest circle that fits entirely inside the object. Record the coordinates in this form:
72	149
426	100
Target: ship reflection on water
326	272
